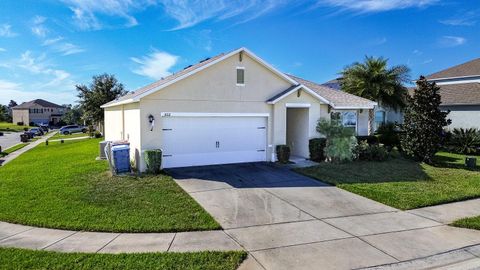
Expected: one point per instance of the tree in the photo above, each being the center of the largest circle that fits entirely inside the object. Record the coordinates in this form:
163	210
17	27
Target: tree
103	89
12	104
424	122
374	80
4	117
73	114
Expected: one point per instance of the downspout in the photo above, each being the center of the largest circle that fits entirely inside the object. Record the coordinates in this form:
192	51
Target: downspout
123	122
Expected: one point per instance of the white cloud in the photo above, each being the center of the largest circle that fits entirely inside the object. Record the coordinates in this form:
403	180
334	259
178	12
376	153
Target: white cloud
20	95
466	19
417	52
2	50
38	28
6	31
68	48
376	5
84	11
187	13
452	41
52	41
155	65
37	65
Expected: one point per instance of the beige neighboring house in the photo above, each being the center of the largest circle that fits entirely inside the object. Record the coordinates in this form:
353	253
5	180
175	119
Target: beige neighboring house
231	108
460	92
38	111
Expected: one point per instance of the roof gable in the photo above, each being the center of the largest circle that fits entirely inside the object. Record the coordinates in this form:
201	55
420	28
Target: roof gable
189	71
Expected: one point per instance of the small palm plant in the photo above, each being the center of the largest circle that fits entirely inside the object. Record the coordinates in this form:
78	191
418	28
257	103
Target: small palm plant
465	141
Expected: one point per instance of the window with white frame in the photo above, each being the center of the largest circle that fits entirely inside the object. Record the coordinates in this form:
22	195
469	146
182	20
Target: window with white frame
240	76
346	118
379	118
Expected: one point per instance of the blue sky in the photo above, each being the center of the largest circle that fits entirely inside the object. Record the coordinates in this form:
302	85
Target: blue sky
48	46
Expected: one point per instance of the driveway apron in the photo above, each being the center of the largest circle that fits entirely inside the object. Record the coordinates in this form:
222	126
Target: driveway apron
288	221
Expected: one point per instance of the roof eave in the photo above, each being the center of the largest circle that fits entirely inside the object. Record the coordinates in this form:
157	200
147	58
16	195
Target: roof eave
123	102
308	90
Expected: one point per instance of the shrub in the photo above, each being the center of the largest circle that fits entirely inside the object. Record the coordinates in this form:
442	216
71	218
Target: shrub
374	152
388	135
424	122
317	148
153	161
98	134
369	139
32	124
465	141
340	143
283	153
19	123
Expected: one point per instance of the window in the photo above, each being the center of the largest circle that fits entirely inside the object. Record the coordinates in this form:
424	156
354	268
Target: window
240	76
379	118
347	118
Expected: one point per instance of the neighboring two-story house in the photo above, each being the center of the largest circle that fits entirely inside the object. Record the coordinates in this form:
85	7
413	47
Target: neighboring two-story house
460	91
37	111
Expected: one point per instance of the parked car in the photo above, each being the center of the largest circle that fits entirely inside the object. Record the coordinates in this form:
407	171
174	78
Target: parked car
44	128
72	129
36	131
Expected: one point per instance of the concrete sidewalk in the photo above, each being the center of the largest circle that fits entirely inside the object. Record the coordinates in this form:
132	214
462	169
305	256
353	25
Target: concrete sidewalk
20	236
448	213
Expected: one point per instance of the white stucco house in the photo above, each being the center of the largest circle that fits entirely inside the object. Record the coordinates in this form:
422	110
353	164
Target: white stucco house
231	108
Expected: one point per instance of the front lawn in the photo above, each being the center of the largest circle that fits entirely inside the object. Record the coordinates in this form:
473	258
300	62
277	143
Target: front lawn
403	183
470	223
4	126
11	258
63	186
59	136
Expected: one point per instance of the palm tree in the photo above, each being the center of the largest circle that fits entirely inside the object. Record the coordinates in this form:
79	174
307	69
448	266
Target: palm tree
374	80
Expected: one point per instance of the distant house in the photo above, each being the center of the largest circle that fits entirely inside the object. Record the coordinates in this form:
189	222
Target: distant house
37	111
383	114
460	91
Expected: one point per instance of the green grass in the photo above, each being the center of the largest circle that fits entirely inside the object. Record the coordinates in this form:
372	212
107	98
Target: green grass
4	126
59	136
403	183
11	258
13	149
470	223
63	186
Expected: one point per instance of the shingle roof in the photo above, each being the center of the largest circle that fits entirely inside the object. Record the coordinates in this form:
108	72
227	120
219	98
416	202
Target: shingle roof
282	93
338	98
167	79
460	94
41	102
457	94
470	68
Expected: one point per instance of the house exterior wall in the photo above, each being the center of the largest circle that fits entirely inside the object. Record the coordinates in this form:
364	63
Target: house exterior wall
213	90
463	116
123	123
20	115
36	114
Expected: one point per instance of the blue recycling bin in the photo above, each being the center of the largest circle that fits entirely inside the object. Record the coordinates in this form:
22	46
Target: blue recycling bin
121	158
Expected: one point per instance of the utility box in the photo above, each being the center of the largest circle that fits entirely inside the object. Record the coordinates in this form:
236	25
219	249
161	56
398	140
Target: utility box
471	162
121	158
102	154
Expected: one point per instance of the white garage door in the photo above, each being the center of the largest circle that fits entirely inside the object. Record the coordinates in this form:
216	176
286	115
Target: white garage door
195	141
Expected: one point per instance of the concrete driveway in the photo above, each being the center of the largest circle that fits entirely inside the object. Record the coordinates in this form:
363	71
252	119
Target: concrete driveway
289	221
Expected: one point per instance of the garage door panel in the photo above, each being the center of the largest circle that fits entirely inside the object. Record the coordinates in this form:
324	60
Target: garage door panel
194	141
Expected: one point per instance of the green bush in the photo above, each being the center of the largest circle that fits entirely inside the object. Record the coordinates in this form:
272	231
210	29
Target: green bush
464	141
341	142
283	153
19	123
317	148
369	139
98	134
371	152
388	135
153	161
